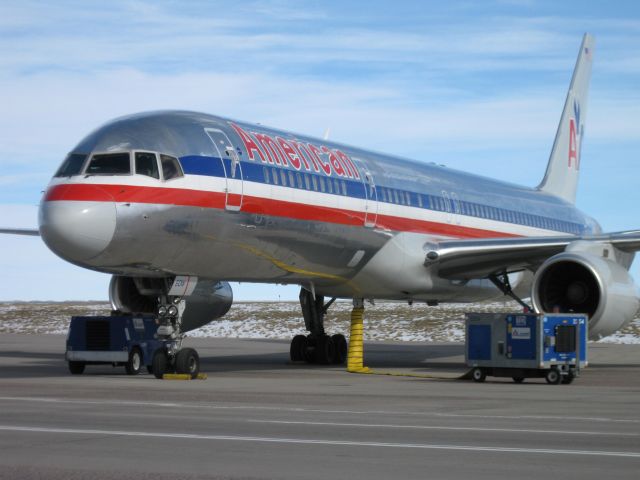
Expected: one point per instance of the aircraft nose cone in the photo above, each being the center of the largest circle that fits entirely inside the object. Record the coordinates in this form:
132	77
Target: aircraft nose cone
77	230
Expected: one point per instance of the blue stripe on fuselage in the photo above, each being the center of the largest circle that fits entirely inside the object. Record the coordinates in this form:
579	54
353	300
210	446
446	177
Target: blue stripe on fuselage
265	173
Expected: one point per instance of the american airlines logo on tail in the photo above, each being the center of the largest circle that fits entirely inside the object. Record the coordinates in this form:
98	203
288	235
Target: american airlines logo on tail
574	144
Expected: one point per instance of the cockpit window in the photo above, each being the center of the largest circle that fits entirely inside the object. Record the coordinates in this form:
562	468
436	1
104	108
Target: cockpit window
170	167
72	165
109	164
147	164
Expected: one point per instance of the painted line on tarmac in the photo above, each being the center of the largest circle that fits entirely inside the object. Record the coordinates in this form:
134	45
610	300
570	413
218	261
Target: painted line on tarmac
304	441
435	427
211	406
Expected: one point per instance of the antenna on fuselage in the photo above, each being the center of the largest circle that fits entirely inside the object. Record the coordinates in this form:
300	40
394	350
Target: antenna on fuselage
326	133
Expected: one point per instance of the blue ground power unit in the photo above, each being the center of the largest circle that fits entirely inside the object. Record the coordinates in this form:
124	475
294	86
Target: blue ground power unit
127	341
519	345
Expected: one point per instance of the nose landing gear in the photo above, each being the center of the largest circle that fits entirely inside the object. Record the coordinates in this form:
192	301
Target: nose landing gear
317	347
172	358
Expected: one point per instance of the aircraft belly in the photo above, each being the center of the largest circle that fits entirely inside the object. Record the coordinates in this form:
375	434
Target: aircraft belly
234	246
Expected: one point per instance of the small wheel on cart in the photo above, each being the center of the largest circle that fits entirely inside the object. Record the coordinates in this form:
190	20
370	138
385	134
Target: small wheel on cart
478	374
518	379
76	368
553	377
160	363
568	378
134	364
188	361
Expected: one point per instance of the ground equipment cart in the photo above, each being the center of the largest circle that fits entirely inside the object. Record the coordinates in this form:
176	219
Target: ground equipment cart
519	345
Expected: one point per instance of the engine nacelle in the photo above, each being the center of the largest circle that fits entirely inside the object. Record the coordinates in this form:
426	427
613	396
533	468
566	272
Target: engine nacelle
209	301
582	282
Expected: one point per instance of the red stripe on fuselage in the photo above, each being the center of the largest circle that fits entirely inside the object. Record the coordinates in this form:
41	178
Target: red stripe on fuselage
257	205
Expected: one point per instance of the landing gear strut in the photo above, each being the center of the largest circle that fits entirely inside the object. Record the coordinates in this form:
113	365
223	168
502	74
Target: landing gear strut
502	282
317	347
172	357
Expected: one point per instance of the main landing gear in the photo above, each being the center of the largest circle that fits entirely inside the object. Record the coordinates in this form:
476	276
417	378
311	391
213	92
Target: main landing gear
317	347
172	358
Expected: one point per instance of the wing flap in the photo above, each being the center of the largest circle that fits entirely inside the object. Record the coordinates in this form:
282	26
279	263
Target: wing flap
467	259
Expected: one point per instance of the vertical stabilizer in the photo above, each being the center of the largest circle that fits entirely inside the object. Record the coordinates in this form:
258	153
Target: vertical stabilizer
561	177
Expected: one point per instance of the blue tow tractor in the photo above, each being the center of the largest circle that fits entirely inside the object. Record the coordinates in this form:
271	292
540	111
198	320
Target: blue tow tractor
517	345
129	341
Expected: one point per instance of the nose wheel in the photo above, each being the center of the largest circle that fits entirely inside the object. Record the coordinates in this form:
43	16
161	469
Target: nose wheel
185	361
172	358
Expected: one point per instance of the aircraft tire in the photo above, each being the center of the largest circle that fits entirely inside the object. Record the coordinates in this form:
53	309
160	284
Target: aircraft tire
325	350
298	348
160	363
340	349
188	361
134	364
76	368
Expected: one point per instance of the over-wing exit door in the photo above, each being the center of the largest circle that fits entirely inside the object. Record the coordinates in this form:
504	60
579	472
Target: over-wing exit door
232	168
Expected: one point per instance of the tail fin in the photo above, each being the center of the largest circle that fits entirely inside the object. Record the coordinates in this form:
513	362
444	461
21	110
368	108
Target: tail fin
561	177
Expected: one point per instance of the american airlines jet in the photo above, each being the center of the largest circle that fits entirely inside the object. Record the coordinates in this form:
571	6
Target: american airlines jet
176	204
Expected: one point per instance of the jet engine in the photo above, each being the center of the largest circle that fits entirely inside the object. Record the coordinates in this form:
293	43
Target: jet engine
582	282
209	301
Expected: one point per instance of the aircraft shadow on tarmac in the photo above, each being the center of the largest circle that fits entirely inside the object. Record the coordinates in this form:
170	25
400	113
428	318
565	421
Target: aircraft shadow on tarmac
19	364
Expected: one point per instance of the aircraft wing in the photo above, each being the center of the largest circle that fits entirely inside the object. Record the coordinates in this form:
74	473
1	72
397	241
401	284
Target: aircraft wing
21	231
465	259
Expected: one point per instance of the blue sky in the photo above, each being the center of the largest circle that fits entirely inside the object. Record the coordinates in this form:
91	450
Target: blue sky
478	86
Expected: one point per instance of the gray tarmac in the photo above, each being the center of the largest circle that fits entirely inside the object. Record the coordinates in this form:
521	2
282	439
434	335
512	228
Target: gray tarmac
258	416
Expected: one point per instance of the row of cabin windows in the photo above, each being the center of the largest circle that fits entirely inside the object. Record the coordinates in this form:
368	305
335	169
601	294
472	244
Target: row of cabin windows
401	197
305	181
150	164
444	204
288	178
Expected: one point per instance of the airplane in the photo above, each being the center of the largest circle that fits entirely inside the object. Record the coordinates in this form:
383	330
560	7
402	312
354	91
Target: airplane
175	204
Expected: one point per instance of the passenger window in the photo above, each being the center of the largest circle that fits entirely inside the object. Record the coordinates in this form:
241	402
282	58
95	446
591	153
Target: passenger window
265	171
109	164
315	182
170	167
336	186
329	186
292	181
299	179
344	188
147	164
321	181
307	183
72	165
408	195
283	177
274	176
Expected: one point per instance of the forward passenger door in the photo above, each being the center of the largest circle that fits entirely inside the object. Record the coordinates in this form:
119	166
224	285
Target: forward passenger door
231	166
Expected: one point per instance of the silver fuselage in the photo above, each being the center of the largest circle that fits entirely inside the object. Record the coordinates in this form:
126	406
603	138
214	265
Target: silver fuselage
292	210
